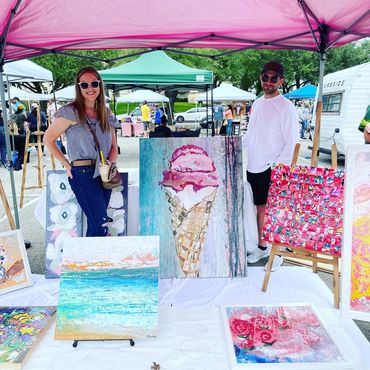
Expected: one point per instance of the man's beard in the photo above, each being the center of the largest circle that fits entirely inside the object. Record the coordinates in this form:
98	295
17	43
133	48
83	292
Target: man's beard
269	90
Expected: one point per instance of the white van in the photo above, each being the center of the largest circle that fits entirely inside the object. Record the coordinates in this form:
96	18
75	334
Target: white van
346	95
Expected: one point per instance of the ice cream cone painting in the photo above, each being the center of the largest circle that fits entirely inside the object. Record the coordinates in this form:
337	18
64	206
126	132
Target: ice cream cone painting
190	186
191	194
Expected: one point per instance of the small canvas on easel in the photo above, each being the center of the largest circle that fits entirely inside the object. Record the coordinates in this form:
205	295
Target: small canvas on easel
280	337
356	251
21	329
63	219
305	208
14	268
108	288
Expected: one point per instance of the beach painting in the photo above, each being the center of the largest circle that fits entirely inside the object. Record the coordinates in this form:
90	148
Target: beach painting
355	277
108	288
192	196
21	328
280	337
63	220
15	271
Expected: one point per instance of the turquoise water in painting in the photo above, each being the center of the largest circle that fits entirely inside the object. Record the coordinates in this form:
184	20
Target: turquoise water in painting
111	301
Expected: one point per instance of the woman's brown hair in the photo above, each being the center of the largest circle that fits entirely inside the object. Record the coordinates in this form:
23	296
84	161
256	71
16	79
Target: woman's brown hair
79	104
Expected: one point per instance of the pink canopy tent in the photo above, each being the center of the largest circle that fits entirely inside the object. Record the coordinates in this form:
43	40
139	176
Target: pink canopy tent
39	26
34	27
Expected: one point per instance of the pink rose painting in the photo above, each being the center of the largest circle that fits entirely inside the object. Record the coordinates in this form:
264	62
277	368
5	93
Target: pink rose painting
305	208
279	334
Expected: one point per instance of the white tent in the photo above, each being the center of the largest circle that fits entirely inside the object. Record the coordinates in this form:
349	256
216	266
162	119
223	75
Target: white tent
227	92
68	93
25	95
141	95
26	71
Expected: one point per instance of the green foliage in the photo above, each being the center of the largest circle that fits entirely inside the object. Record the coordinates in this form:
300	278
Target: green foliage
241	69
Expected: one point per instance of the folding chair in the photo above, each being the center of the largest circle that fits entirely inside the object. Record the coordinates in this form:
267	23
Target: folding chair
138	129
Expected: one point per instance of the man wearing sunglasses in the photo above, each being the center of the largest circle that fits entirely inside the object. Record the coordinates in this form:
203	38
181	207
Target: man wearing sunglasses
273	132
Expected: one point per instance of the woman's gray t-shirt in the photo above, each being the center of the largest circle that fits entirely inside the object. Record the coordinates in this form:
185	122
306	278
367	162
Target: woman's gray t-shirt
80	141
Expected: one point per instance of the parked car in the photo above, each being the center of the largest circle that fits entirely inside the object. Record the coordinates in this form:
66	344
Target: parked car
193	114
134	115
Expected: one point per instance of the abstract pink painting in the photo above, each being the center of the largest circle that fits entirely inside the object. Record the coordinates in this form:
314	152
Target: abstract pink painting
356	255
305	208
291	335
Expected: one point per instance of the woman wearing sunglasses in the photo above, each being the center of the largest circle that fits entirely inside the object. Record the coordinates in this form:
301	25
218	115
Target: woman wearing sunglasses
80	120
273	132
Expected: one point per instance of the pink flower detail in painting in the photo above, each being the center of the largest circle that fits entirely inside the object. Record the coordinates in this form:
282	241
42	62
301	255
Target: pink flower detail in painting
305	208
290	334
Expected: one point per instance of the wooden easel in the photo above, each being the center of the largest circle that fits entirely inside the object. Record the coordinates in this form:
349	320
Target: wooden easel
40	166
303	254
6	207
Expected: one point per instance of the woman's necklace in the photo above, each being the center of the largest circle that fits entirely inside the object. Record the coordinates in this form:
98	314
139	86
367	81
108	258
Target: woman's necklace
90	113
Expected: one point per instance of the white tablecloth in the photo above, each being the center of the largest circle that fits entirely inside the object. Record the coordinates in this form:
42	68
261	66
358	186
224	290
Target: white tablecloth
191	334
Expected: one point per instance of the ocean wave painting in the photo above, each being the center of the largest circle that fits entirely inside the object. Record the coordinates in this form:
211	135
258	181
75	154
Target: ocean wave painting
109	288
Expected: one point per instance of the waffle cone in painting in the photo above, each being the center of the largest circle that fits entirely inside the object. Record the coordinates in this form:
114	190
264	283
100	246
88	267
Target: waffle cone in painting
189	227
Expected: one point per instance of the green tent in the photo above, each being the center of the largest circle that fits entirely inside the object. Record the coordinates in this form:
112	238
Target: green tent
156	71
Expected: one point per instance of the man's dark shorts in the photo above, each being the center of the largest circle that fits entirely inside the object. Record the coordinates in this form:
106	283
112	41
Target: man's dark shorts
260	183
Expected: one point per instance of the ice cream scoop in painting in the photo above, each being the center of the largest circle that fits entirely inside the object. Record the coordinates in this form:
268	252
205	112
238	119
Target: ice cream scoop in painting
190	185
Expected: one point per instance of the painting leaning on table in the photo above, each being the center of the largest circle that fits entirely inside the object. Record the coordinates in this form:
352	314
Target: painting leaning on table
14	268
21	329
356	255
108	288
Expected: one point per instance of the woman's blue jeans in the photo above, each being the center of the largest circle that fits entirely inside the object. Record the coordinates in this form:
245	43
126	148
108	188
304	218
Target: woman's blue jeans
229	127
2	145
92	198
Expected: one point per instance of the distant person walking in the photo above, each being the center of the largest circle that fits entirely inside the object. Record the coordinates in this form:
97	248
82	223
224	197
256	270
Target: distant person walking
304	113
273	132
219	117
145	114
229	118
157	115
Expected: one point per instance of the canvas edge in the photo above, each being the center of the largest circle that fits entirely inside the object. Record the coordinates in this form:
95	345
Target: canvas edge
345	365
346	263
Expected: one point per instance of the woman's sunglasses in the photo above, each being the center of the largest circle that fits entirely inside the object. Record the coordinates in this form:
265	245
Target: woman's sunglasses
85	85
273	79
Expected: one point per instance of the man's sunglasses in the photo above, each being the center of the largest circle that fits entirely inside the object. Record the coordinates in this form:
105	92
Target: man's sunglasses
85	85
273	79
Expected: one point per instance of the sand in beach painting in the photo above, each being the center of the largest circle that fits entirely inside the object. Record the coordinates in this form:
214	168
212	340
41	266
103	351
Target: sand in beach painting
108	288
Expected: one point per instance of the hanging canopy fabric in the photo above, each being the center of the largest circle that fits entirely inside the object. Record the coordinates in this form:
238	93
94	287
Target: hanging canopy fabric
26	71
34	27
141	95
227	92
156	69
305	92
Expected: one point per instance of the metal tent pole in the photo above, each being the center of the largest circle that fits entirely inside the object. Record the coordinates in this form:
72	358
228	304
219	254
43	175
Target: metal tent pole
316	136
8	149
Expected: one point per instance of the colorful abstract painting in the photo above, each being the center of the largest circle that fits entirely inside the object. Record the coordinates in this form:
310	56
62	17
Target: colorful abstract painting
291	335
191	195
21	328
305	208
108	288
356	255
63	219
14	268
